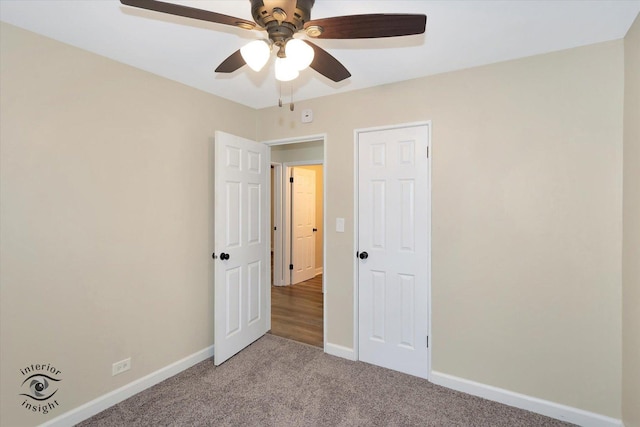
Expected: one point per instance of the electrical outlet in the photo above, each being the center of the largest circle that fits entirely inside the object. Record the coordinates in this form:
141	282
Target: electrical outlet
121	366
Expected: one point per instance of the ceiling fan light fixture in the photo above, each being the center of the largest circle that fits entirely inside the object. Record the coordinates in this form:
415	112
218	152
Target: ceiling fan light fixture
282	20
299	53
286	70
256	54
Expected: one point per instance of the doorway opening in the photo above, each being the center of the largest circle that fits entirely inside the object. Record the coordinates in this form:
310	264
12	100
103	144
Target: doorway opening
297	244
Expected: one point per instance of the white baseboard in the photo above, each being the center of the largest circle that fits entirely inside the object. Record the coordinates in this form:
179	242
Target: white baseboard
318	270
522	401
340	351
103	402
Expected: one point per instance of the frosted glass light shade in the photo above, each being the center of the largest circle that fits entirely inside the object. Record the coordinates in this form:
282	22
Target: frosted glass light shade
256	54
285	70
300	53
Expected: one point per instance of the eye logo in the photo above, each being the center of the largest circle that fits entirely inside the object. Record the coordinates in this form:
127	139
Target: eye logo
39	387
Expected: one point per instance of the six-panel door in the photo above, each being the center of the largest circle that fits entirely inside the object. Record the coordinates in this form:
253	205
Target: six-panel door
241	243
393	230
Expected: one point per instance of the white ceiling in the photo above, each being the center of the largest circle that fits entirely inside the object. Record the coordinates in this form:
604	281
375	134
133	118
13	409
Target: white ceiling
460	34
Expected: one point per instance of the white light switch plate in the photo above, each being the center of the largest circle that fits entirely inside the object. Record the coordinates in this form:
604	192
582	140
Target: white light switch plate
340	225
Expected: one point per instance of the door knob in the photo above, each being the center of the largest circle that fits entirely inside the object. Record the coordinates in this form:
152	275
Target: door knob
364	255
224	256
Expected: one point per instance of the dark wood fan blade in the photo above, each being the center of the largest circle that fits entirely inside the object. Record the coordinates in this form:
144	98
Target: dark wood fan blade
190	12
327	65
232	63
369	26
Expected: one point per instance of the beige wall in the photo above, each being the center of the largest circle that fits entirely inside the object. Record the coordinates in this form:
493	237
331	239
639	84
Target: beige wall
527	217
106	218
106	221
631	234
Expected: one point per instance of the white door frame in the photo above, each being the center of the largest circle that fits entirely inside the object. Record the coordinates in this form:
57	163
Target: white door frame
310	138
356	134
286	209
278	234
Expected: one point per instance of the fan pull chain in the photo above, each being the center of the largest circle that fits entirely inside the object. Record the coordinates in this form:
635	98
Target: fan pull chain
291	105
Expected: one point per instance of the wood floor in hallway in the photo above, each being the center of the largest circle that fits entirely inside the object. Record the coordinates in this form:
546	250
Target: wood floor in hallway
296	311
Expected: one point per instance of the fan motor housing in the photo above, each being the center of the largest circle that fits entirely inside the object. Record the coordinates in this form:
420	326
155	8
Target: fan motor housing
280	18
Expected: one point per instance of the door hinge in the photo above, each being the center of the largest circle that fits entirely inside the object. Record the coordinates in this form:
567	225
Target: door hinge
290	266
427	341
427	152
290	179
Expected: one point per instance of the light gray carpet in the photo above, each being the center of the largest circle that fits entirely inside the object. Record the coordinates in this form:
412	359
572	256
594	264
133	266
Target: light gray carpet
278	382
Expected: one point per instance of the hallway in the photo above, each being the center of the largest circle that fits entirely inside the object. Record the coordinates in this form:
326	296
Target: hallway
296	311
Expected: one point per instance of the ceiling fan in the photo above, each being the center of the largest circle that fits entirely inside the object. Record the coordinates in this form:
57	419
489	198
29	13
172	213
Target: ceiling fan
282	19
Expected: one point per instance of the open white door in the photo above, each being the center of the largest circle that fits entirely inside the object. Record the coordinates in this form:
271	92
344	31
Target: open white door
393	244
242	298
303	222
